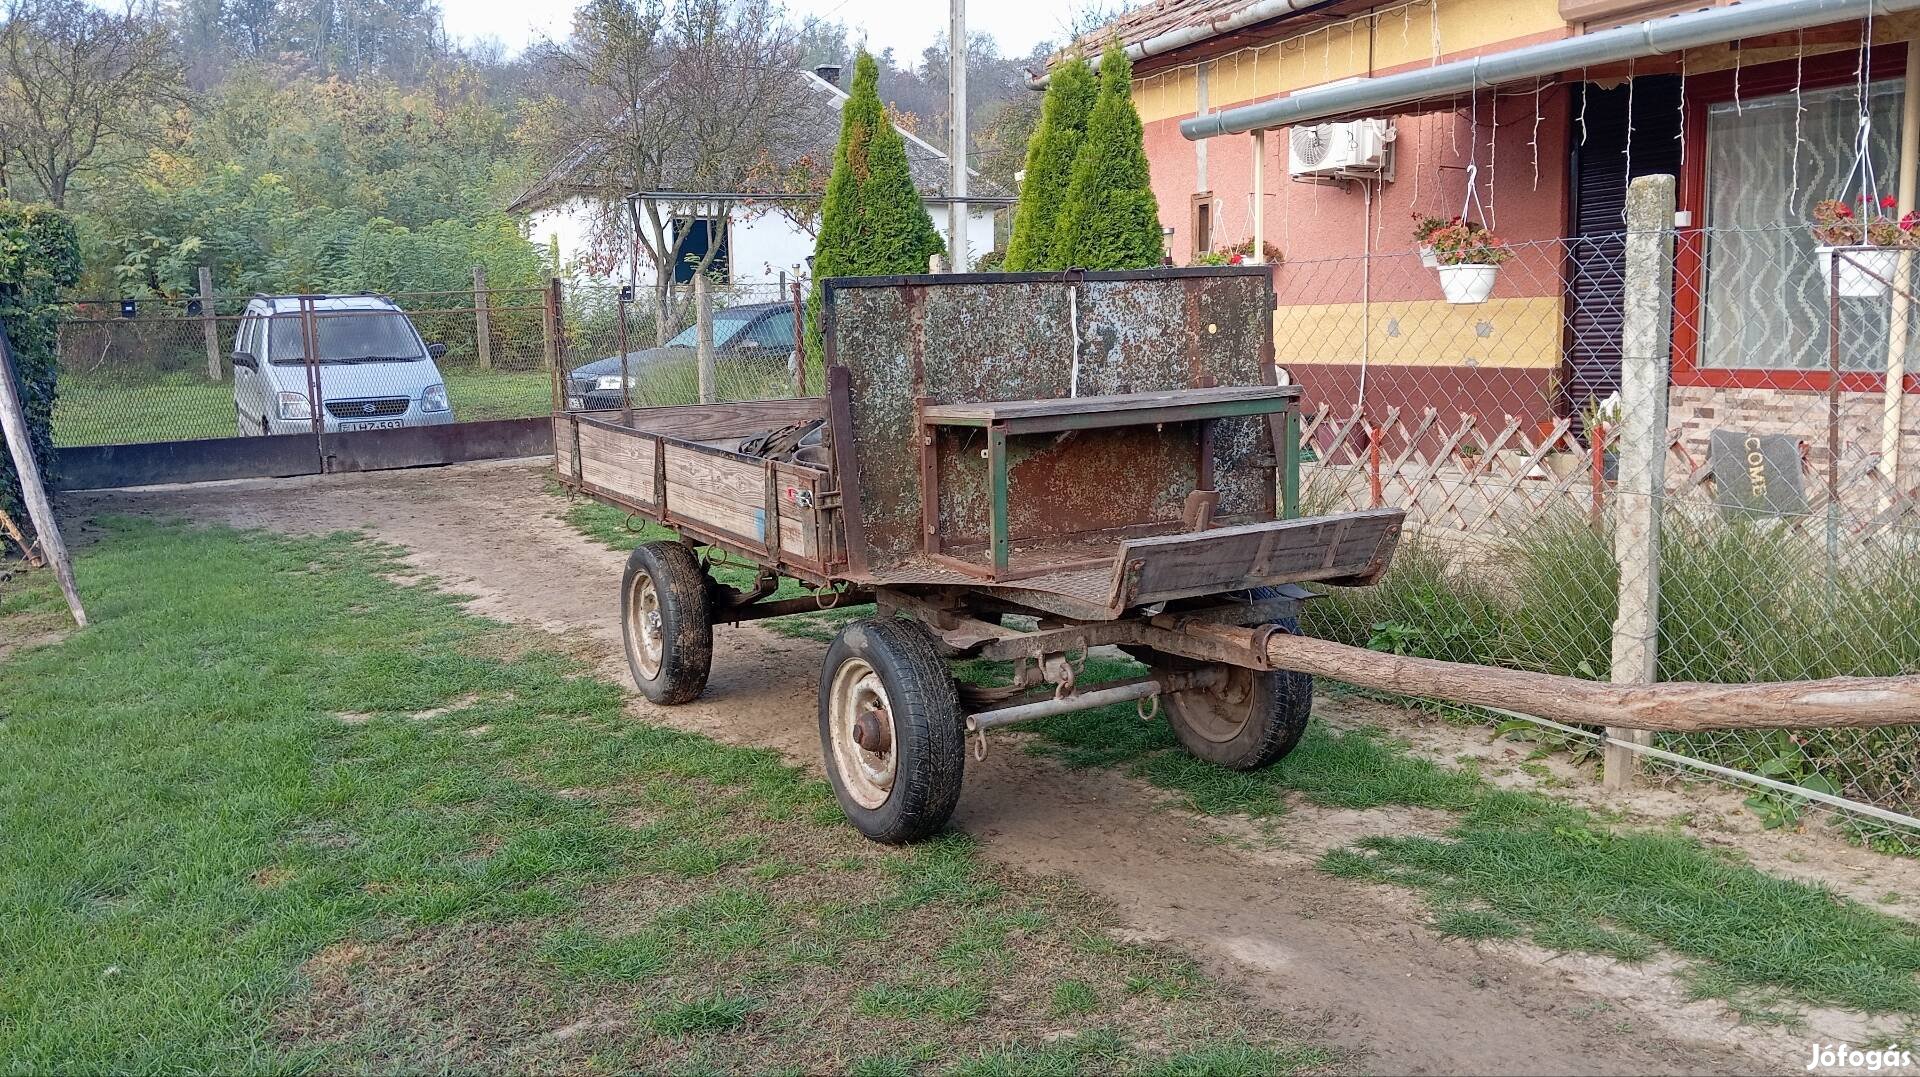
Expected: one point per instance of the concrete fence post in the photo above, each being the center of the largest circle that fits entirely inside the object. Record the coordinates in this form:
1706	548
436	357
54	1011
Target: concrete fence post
209	325
482	320
1640	489
703	353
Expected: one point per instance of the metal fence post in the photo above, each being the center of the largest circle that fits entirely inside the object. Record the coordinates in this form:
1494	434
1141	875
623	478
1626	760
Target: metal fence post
703	314
550	340
626	357
482	321
1646	340
799	342
209	327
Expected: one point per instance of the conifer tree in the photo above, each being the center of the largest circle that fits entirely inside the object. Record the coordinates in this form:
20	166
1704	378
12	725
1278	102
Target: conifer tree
1050	154
872	222
1110	219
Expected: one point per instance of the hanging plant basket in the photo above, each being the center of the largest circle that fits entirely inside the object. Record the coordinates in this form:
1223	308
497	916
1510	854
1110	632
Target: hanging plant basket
1428	258
1468	283
1865	272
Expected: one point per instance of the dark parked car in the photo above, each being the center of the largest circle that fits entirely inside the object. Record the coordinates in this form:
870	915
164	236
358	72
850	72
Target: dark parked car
761	333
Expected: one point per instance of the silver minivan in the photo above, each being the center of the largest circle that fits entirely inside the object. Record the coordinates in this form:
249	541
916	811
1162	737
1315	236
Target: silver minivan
375	372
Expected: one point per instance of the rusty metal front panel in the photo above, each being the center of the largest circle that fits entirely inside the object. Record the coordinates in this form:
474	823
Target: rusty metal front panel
1127	476
984	337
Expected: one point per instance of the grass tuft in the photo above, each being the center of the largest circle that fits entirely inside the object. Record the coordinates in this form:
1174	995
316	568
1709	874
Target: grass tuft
713	1013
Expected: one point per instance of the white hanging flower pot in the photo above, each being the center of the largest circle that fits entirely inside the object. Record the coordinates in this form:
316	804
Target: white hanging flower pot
1428	258
1865	272
1468	283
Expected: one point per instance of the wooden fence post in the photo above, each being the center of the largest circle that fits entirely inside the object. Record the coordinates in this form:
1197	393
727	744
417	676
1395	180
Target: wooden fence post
482	320
13	422
703	352
209	325
1640	489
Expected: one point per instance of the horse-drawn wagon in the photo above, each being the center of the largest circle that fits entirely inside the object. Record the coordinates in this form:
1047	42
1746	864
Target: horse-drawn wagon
1104	453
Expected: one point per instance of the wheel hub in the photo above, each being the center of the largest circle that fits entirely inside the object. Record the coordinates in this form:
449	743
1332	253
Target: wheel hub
873	731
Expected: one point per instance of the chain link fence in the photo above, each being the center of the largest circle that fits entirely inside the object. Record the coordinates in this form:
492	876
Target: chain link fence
141	372
644	350
1788	510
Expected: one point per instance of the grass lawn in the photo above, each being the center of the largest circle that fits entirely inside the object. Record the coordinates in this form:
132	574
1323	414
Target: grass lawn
183	405
1516	865
275	811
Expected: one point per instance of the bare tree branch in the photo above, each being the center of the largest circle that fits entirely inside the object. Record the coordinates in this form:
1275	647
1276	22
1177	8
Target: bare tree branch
81	88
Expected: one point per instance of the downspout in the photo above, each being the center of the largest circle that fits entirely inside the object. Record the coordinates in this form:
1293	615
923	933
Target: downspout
1174	40
1894	408
1653	37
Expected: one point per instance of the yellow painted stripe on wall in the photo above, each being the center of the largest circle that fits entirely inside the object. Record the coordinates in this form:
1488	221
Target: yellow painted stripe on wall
1403	35
1498	334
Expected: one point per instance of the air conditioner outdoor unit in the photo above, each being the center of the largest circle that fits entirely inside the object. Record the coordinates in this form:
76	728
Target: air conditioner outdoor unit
1357	148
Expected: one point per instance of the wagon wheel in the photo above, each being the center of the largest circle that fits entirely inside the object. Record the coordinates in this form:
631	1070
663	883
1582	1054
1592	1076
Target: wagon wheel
1245	721
666	622
890	727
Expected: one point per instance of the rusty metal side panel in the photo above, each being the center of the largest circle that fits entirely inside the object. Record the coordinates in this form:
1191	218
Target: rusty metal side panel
981	337
1131	475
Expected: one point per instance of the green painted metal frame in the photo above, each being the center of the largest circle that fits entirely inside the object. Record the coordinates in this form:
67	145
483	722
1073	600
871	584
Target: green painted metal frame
1106	416
1290	465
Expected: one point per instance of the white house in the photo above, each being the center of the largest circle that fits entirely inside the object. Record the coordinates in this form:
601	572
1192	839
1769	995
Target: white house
768	236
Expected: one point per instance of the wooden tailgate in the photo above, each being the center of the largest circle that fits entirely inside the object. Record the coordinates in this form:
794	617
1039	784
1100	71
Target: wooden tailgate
1348	548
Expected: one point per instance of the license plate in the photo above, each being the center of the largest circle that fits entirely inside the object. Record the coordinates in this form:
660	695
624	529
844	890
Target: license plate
575	403
383	424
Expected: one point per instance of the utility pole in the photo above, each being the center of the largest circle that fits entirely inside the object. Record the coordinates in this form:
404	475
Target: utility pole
957	136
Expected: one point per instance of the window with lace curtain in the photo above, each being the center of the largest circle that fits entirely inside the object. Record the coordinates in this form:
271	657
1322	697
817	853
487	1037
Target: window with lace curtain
1768	160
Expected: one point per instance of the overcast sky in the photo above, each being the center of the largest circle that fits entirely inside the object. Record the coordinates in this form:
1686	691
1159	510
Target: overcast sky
907	26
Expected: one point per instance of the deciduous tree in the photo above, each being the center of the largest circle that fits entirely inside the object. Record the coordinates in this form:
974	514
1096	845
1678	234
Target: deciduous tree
81	89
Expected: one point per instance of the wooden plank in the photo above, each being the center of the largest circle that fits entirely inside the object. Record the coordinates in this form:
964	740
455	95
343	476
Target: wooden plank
1004	410
797	500
618	461
709	488
1354	546
713	422
563	446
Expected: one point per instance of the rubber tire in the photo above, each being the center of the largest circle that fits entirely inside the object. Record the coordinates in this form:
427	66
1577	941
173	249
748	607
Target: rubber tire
1283	696
686	621
928	727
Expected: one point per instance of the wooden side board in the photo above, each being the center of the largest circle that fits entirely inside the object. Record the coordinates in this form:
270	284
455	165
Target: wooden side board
1348	548
726	493
618	461
753	506
714	422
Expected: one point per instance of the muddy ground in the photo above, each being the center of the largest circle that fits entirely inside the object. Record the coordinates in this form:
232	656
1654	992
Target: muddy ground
1354	962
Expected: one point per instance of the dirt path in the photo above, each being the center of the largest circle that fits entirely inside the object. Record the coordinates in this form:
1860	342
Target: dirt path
1352	958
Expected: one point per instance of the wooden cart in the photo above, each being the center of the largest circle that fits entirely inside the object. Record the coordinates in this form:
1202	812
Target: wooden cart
1105	453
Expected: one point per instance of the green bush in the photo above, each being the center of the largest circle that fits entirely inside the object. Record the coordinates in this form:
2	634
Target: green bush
39	255
1110	219
872	222
1063	125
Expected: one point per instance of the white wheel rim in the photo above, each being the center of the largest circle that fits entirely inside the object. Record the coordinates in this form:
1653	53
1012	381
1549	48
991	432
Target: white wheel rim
866	776
647	632
1220	713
